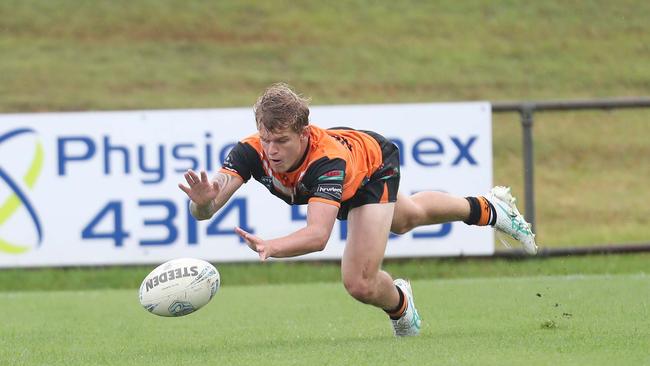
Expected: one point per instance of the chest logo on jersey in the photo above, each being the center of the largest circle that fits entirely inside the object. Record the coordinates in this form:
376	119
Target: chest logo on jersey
332	176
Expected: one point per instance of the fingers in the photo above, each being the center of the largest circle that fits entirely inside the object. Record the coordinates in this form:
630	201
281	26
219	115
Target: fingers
194	176
241	232
191	177
190	180
204	176
256	244
184	188
246	236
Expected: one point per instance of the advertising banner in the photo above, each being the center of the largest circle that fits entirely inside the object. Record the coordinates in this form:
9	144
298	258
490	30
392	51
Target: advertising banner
97	188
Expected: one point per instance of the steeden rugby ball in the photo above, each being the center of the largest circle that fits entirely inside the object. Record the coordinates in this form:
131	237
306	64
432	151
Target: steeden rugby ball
179	287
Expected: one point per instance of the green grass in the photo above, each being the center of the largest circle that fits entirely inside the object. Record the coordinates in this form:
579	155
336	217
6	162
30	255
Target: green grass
591	175
591	166
234	274
165	54
590	170
559	320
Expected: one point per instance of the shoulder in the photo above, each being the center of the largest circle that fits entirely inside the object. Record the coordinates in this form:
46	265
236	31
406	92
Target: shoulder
325	143
252	140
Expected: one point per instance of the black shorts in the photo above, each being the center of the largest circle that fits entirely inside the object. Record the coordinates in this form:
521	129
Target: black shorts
383	184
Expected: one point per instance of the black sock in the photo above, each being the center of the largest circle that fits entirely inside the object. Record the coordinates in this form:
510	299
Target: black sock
398	307
474	211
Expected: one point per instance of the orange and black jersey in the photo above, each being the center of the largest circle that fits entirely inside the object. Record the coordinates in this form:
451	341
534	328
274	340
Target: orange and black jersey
337	163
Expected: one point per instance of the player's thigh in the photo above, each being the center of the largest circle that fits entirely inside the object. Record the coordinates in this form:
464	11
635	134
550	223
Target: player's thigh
368	230
405	214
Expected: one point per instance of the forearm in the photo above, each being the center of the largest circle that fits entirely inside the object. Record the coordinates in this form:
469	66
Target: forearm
205	212
226	189
306	240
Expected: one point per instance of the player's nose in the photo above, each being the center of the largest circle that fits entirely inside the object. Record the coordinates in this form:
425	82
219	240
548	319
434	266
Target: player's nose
272	149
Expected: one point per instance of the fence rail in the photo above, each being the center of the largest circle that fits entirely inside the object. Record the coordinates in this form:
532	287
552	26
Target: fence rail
527	109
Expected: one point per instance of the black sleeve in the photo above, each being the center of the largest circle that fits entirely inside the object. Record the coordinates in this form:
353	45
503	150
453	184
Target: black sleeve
324	179
243	160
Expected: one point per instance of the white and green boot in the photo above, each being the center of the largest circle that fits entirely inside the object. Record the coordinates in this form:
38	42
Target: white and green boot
410	322
509	220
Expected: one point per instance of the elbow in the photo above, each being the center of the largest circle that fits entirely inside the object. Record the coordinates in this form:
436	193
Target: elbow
321	241
320	246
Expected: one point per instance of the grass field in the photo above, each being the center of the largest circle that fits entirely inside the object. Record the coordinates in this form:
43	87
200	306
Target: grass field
592	170
178	54
271	273
554	320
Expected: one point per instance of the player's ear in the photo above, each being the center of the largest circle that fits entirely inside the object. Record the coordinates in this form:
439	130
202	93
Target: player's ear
305	133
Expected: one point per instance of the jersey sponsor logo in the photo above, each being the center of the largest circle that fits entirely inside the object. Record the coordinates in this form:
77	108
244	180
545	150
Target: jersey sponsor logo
330	189
332	176
334	173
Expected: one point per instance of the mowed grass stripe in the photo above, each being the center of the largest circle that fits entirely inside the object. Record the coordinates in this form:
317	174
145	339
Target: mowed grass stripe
536	320
307	272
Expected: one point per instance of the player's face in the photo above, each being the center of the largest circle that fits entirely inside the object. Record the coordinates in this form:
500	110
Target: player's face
284	147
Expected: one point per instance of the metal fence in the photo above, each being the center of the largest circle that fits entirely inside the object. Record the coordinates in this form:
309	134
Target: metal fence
526	110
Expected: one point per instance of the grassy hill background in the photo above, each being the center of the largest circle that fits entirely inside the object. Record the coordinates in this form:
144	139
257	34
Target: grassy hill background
592	168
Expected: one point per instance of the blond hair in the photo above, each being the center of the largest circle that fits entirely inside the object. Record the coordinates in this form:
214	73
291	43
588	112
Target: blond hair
280	107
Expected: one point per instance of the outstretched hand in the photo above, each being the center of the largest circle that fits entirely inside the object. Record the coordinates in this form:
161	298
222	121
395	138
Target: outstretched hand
200	190
255	243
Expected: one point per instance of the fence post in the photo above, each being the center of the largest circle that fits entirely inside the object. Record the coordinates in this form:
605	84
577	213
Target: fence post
527	111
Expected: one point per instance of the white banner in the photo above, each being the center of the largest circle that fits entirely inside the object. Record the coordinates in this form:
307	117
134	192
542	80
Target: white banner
101	187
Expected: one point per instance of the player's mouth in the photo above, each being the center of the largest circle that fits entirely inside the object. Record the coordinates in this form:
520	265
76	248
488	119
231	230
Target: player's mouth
276	161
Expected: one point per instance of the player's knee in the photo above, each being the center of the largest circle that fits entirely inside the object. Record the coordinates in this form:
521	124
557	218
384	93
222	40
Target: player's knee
399	229
402	226
359	288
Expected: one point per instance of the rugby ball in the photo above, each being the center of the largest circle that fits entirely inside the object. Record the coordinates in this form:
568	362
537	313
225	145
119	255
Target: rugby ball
179	287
